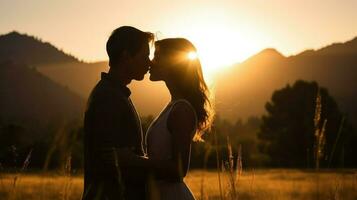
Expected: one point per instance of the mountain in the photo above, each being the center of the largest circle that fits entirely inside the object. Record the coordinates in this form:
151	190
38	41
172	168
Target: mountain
79	77
27	49
245	88
240	91
269	54
346	48
27	94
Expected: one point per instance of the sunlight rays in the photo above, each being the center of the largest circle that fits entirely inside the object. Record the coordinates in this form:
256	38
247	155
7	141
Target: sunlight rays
219	43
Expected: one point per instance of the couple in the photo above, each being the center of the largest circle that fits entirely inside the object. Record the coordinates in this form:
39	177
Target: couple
119	163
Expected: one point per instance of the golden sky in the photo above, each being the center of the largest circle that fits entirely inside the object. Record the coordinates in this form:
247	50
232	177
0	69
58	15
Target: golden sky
225	31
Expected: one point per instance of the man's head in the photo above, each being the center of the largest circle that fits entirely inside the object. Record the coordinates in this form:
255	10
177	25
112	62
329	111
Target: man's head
128	49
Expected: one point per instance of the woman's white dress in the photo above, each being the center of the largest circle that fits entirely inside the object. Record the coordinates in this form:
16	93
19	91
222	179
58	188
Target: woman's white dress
159	146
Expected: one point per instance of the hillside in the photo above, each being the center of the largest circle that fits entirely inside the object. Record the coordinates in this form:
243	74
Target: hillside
27	94
241	91
245	88
68	71
21	48
148	97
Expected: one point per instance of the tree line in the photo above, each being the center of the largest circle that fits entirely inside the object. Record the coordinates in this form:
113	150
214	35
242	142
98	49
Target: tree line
302	128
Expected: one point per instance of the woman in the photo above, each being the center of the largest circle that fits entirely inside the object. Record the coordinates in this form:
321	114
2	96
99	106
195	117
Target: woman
185	117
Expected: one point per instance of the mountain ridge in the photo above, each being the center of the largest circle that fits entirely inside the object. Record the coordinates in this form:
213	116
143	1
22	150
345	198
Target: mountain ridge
16	47
241	91
334	48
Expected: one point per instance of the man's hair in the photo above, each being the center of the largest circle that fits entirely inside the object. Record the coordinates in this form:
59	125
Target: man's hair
126	38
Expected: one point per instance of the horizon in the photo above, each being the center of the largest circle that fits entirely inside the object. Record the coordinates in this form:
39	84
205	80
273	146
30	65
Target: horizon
224	32
210	74
43	40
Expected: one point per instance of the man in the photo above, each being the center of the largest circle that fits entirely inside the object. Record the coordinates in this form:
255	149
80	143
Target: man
111	121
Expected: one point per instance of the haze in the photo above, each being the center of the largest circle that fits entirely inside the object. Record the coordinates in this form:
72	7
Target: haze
225	32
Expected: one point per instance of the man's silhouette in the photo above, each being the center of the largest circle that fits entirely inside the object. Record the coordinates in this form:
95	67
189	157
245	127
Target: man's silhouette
111	120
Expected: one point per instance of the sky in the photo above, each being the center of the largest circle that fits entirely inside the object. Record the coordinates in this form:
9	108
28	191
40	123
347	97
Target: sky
224	31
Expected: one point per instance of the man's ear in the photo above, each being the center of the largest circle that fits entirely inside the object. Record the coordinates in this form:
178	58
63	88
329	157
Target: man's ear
125	56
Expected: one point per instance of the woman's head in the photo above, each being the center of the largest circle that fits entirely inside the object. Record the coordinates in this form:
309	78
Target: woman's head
175	63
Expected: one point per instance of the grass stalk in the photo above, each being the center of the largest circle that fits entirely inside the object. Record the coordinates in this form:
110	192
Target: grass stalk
218	163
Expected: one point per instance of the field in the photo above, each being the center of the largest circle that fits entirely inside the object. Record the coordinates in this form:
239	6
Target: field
252	184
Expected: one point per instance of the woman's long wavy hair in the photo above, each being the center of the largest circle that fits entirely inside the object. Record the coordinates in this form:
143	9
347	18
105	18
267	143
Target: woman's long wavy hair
186	75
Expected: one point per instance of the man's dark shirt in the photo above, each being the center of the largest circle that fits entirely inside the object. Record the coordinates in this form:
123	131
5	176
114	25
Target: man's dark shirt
111	121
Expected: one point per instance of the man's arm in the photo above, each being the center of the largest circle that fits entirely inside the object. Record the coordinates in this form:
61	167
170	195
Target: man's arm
175	168
111	138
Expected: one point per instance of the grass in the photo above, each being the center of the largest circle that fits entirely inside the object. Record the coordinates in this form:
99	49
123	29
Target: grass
253	184
285	184
227	182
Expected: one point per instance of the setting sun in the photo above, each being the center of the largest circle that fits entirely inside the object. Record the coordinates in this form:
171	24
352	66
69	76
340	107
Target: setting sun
219	43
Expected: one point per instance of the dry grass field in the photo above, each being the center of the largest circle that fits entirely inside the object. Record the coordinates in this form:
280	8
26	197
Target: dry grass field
252	184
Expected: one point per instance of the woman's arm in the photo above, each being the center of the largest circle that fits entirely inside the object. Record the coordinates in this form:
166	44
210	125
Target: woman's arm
181	124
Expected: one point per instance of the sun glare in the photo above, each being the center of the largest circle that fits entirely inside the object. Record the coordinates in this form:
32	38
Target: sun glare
192	55
219	50
219	44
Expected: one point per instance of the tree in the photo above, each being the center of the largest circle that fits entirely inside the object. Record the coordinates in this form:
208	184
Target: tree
288	131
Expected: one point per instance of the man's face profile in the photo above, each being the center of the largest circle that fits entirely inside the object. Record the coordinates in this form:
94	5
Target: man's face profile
138	64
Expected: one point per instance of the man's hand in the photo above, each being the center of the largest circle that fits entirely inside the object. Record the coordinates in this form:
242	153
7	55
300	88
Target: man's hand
114	156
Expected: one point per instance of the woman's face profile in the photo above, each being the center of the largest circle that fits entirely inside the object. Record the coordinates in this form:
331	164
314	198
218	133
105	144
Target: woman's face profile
159	66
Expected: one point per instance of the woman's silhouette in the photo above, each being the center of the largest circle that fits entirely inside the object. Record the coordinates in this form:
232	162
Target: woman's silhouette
185	117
